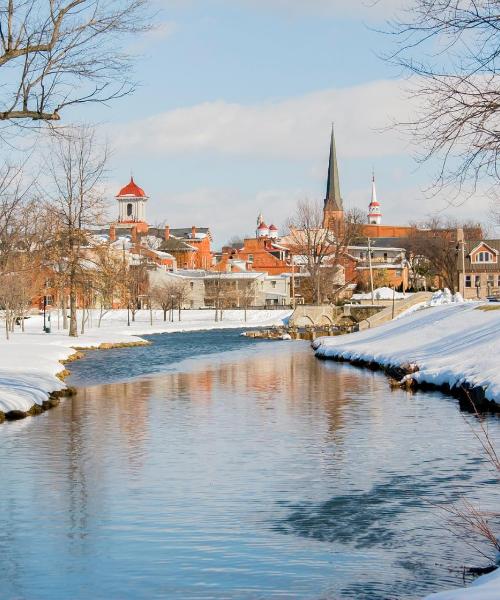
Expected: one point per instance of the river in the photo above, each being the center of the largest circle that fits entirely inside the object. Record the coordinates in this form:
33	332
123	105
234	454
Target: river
214	466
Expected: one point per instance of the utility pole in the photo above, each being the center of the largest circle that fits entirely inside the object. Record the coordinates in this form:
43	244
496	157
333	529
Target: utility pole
371	270
463	266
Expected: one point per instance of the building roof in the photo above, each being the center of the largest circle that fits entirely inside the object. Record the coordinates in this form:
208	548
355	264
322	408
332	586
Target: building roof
174	244
472	245
181	232
333	200
131	190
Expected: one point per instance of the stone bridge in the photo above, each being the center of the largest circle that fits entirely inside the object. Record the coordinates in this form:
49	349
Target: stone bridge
326	315
367	316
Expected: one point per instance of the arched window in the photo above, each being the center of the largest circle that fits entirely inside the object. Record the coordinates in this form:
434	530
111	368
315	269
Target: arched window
129	210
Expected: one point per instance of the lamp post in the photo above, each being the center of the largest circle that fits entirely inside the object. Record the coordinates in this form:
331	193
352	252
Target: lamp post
45	314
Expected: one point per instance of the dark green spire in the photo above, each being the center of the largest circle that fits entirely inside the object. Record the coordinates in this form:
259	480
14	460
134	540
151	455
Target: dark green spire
333	200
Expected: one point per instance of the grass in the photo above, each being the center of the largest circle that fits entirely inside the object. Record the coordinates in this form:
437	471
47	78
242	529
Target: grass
487	307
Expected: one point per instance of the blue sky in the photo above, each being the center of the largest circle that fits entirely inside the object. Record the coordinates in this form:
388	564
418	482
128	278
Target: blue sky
235	106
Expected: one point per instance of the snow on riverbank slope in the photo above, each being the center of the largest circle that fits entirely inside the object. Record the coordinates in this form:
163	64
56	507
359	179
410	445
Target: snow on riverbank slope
30	361
451	344
486	587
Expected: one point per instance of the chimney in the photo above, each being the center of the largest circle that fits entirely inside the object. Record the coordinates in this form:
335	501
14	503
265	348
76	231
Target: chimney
134	234
112	233
193	231
460	234
167	232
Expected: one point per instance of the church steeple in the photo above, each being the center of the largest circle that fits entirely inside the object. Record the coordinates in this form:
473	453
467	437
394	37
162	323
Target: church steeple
333	211
333	198
374	214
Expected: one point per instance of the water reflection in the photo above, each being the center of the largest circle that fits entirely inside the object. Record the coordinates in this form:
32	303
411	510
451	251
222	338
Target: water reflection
260	473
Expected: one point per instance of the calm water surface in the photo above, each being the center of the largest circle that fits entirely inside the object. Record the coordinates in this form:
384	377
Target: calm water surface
215	466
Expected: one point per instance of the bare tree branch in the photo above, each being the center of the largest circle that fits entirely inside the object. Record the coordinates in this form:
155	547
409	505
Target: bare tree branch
57	53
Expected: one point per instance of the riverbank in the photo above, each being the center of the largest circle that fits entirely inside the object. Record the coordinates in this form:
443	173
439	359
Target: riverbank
455	348
32	363
451	347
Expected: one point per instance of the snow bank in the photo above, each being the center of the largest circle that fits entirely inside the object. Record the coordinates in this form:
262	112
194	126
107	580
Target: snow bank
486	587
445	297
452	344
383	293
30	361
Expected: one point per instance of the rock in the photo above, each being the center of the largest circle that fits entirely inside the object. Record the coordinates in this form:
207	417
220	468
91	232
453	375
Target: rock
36	409
63	374
15	415
2	416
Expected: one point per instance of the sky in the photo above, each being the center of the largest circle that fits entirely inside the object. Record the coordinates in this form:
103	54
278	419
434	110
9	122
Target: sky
235	105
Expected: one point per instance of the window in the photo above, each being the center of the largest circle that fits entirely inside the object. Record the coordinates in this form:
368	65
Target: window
477	280
491	281
129	210
362	256
482	257
191	283
385	256
498	282
468	281
273	283
250	258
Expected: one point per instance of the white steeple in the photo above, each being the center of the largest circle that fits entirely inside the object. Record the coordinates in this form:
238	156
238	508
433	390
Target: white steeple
374	214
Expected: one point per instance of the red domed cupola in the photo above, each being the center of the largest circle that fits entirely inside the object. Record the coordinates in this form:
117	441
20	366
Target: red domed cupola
132	190
132	203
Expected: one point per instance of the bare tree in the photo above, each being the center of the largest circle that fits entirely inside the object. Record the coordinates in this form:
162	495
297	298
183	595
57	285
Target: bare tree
318	246
107	276
181	296
75	168
60	53
433	245
136	283
451	47
169	294
246	295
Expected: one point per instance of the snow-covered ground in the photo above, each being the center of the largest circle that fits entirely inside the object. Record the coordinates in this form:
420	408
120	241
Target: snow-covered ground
30	361
486	587
383	293
454	344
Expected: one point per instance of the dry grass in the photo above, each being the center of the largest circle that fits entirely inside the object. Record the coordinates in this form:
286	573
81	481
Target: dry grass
488	307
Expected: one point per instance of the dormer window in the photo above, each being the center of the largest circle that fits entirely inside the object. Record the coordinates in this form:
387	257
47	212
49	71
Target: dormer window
484	257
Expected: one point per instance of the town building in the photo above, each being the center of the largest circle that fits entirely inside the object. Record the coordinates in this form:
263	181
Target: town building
479	269
209	289
187	247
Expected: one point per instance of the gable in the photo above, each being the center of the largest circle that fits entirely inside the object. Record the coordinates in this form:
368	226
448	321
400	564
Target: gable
483	254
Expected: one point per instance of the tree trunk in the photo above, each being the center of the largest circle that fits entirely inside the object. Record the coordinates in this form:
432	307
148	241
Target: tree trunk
64	309
73	325
7	324
164	314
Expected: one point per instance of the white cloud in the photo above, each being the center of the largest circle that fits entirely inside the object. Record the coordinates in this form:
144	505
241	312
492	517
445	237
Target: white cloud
153	36
366	9
284	129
